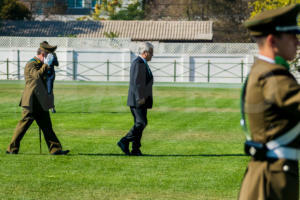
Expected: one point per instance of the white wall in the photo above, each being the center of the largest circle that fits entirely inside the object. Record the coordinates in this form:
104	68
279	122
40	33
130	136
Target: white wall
94	64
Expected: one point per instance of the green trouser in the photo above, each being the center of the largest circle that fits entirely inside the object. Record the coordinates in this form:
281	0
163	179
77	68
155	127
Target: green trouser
44	122
266	180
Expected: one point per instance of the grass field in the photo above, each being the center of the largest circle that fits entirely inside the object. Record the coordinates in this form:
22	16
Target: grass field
193	146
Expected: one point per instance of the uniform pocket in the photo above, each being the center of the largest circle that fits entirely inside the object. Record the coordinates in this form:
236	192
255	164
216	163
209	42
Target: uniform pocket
290	167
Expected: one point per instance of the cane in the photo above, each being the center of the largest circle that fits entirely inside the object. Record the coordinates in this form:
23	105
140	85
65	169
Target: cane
40	135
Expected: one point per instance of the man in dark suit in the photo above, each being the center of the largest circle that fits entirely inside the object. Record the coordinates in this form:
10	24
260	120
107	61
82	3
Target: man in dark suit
139	99
36	102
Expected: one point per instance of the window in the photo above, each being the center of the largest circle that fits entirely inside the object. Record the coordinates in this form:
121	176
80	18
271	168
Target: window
71	3
75	3
79	3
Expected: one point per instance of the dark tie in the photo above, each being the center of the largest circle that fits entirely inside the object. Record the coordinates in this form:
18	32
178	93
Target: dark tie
148	68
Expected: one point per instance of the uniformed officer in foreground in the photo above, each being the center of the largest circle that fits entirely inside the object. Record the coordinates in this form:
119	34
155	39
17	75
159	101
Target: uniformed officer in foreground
272	106
36	102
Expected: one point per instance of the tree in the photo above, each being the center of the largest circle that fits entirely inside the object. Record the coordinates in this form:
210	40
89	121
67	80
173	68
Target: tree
231	10
112	9
227	15
106	8
132	12
54	7
14	10
46	7
262	5
111	35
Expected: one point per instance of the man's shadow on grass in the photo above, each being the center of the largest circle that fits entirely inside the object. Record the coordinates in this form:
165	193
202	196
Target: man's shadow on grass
164	155
144	155
75	112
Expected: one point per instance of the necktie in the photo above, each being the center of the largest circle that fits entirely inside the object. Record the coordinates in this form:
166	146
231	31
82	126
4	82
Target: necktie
148	68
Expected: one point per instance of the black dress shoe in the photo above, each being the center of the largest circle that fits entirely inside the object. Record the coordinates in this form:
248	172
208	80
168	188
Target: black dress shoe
11	152
124	147
136	153
61	152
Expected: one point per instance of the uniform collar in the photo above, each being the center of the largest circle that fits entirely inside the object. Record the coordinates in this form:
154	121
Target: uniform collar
278	60
281	61
37	59
265	58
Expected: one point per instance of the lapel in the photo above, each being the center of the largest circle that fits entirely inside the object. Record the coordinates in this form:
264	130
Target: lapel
149	72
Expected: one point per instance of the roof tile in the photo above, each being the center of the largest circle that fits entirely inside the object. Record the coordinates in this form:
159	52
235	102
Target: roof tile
136	30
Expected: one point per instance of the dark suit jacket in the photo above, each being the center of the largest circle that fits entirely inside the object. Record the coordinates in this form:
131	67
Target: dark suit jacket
140	86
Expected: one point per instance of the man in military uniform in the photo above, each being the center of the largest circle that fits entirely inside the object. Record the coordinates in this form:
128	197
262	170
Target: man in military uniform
272	107
36	102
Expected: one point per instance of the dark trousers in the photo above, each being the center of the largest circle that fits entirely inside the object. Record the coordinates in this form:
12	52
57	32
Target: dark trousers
43	120
135	133
50	81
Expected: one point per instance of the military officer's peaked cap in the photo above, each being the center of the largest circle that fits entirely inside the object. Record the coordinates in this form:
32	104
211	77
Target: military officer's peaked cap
281	20
47	47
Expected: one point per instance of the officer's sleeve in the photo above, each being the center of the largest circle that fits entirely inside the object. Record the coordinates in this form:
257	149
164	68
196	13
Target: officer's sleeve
139	78
34	72
283	91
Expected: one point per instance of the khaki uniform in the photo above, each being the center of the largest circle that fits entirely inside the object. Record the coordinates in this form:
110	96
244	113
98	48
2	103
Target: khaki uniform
35	102
35	85
272	107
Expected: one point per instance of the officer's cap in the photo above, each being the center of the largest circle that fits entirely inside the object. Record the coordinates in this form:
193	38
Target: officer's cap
47	47
281	20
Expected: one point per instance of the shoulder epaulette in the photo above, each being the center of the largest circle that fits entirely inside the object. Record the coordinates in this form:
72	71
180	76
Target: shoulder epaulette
276	72
34	60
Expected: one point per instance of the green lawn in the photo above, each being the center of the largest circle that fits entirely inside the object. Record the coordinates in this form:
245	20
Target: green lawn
193	146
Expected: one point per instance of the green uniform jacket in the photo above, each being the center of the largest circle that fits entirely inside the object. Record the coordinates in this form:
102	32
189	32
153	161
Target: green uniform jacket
272	102
35	85
272	107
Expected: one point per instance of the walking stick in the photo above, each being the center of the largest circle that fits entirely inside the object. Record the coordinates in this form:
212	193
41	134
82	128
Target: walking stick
40	135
